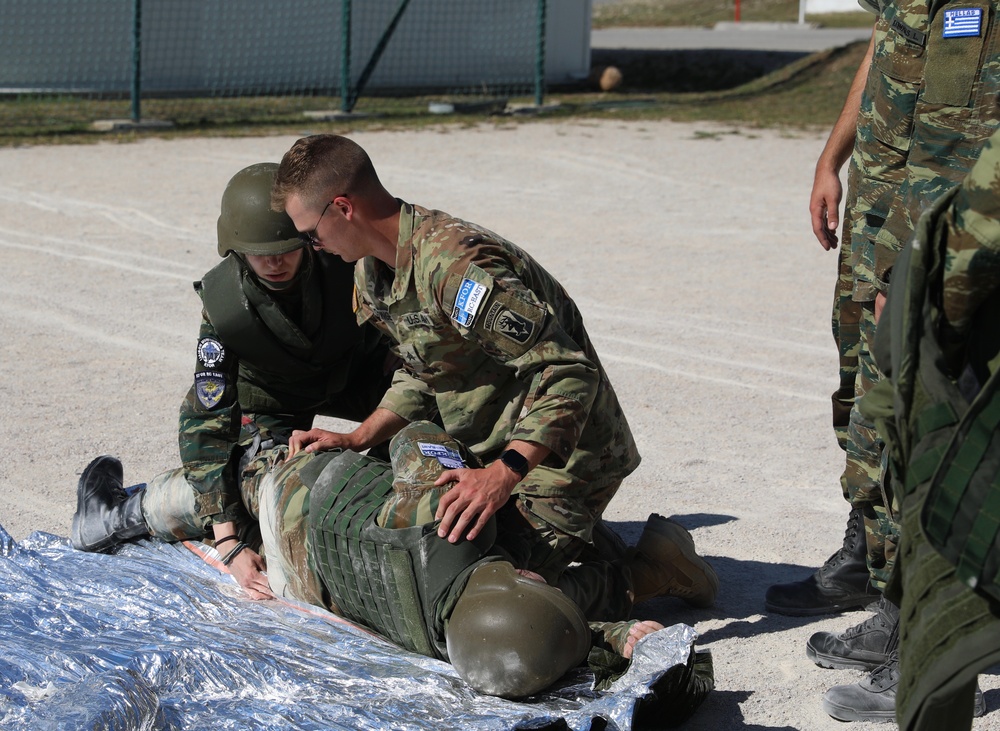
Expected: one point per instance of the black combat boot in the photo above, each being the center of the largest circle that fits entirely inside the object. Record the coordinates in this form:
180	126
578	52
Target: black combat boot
840	584
873	698
105	514
864	646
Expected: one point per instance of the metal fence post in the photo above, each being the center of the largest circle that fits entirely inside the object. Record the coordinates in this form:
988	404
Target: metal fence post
345	56
540	55
136	59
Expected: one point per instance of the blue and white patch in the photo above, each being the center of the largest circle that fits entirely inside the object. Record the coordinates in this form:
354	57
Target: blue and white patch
210	387
962	22
210	352
449	458
470	296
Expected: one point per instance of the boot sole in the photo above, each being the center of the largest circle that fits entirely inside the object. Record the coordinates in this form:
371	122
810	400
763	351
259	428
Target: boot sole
834	662
687	559
845	713
834	608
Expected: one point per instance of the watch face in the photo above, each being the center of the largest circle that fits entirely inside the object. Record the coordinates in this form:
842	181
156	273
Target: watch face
516	461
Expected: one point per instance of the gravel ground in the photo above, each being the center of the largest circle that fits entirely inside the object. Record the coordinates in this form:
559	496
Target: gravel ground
686	246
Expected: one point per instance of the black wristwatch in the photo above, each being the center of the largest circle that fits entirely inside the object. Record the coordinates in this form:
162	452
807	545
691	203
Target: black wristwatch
516	462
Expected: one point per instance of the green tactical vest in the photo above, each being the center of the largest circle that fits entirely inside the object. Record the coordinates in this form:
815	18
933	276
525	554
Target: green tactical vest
402	583
283	369
938	437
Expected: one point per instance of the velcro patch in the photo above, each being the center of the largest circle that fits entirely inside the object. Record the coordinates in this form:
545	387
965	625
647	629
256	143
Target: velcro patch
210	352
962	22
470	296
510	324
210	387
448	458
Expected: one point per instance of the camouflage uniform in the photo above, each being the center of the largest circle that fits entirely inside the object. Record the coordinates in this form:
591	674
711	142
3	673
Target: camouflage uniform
492	342
939	409
419	452
929	102
268	361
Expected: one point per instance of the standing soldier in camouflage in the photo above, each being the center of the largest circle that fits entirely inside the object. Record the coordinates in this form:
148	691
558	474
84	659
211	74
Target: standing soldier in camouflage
493	343
931	99
939	410
278	345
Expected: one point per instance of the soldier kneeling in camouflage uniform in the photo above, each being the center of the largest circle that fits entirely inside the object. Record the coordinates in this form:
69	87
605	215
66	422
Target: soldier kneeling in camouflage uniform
357	536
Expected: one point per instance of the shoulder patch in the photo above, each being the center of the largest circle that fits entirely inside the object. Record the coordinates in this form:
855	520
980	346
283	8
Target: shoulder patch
210	352
504	321
470	296
962	22
210	387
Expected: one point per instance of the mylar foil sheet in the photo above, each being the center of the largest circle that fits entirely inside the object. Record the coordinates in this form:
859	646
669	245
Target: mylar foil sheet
156	637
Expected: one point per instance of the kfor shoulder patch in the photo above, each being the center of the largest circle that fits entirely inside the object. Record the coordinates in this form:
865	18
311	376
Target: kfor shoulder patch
962	22
470	296
210	352
210	387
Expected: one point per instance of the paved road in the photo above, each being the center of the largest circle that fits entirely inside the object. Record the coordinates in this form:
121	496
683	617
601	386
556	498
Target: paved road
741	36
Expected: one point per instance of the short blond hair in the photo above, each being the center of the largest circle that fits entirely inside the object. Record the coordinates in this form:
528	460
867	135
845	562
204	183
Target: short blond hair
321	166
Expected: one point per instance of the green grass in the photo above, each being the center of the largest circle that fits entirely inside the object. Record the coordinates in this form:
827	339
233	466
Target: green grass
667	13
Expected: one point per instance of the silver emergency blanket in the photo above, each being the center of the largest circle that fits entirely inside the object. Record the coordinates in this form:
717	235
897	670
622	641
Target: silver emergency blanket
155	637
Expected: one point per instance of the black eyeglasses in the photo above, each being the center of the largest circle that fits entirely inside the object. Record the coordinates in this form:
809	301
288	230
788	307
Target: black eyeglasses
309	237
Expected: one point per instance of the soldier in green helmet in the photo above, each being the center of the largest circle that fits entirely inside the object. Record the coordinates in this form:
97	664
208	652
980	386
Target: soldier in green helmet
278	345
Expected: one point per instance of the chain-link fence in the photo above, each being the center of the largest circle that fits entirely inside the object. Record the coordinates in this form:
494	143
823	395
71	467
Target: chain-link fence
66	63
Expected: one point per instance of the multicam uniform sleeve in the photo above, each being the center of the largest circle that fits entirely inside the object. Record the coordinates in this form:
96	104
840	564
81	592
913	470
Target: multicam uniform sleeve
210	420
409	397
490	304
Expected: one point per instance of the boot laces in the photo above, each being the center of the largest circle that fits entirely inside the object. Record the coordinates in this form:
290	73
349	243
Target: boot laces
886	675
876	621
843	553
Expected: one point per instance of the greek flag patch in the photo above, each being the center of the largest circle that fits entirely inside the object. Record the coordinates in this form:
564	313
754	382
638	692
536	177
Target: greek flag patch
470	296
449	458
962	22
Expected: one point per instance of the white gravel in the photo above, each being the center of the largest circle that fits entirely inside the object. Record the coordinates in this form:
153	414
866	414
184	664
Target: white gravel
687	247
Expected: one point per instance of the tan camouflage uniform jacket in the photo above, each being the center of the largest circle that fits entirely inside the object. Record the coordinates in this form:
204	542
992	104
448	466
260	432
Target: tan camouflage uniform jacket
493	342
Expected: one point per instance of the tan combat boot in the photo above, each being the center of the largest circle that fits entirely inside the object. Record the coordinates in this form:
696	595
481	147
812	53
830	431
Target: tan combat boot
664	563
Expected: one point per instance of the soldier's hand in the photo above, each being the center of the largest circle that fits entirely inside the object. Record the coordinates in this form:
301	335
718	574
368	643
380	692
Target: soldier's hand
880	299
317	440
476	495
824	206
248	570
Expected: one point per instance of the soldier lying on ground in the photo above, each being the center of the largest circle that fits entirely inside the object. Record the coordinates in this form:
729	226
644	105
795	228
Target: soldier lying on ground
357	536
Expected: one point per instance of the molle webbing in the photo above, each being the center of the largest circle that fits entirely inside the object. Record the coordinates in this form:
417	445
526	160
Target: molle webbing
377	576
962	513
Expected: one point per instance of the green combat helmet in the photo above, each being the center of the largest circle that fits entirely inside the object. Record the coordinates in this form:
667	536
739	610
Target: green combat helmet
247	224
511	636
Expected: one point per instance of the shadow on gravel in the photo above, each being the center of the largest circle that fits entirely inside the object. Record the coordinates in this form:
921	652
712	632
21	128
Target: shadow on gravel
721	710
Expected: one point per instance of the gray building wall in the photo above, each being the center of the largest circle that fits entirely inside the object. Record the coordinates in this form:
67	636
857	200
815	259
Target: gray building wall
264	46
